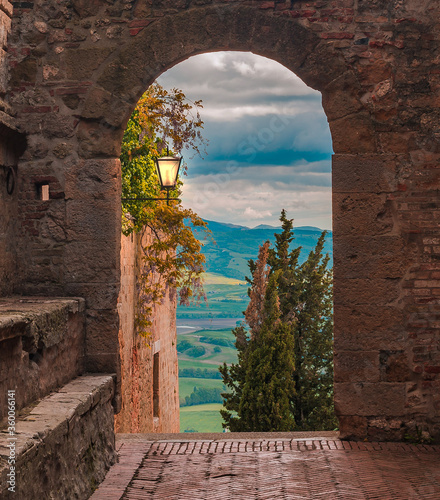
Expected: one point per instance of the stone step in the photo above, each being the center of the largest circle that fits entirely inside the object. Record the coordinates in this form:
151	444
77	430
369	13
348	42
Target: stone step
69	430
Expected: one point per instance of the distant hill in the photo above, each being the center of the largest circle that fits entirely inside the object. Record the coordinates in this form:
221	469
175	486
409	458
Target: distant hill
264	226
235	245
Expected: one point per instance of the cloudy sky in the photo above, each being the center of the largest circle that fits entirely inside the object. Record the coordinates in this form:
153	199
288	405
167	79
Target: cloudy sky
269	142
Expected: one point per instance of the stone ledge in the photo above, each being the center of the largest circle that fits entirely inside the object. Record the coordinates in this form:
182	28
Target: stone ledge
37	318
79	417
227	436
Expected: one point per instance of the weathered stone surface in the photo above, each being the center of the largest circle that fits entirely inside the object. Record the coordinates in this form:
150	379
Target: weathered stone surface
360	291
367	399
99	140
355	366
394	366
41	346
363	214
69	430
370	327
386	257
353	426
93	220
367	173
353	134
79	63
93	180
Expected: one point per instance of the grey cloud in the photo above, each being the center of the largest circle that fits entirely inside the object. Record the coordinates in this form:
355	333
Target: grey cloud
270	145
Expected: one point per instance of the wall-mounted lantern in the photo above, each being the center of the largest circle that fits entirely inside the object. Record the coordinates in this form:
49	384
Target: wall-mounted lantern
168	171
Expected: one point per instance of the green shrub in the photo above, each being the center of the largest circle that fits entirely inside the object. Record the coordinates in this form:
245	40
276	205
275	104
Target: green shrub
195	351
222	342
183	345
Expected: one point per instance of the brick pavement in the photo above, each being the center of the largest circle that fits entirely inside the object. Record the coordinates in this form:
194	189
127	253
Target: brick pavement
290	469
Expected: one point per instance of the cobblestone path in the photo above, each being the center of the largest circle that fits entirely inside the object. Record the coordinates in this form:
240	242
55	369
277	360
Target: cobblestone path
272	469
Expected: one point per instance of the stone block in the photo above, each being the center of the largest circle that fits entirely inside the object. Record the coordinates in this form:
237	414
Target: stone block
370	399
86	8
102	328
399	142
91	261
102	363
45	347
64	432
365	173
97	295
24	72
353	134
57	125
395	366
80	63
6	7
378	257
341	96
363	214
5	28
369	327
91	219
363	291
100	103
320	67
355	366
352	427
100	140
91	180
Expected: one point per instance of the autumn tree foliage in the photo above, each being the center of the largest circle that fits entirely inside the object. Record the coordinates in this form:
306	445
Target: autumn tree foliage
284	376
163	122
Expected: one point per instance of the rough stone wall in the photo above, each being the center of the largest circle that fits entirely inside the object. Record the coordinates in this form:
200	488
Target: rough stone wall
77	70
5	28
41	347
8	217
10	147
64	445
137	353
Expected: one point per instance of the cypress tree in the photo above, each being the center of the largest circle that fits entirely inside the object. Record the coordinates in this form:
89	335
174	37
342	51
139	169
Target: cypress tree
262	381
306	300
265	405
284	375
234	378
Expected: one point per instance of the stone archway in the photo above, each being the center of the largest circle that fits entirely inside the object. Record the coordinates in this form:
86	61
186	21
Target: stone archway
77	73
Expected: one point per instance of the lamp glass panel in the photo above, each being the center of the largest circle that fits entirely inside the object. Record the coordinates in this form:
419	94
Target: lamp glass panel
168	168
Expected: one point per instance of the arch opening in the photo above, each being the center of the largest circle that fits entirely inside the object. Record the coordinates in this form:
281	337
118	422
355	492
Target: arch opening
73	247
269	126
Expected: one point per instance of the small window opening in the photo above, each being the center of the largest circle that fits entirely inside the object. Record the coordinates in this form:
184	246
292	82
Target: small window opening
44	192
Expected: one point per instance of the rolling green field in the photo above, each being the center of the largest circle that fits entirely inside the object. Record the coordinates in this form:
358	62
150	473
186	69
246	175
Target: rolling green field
201	418
226	298
218	348
209	341
187	384
188	363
